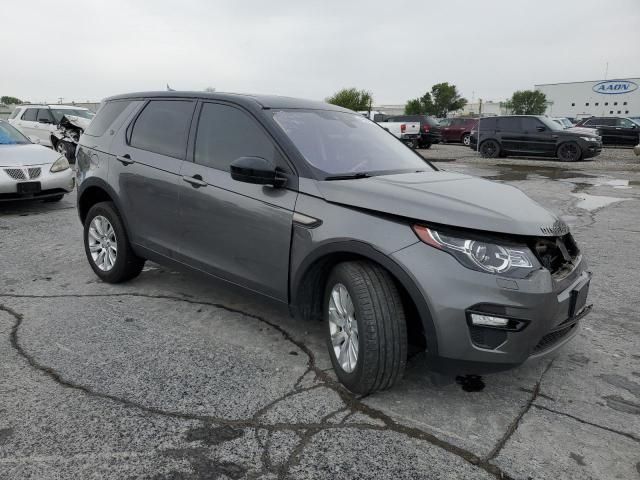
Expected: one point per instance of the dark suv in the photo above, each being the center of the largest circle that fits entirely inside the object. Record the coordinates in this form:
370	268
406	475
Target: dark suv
614	130
533	135
430	132
323	210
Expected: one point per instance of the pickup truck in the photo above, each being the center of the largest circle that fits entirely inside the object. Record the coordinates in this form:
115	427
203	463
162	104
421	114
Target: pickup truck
408	132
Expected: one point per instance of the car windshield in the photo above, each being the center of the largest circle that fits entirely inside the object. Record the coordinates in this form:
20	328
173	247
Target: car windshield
11	136
339	143
58	113
550	124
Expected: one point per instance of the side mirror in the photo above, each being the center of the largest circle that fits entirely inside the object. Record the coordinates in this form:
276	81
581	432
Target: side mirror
44	120
257	170
541	128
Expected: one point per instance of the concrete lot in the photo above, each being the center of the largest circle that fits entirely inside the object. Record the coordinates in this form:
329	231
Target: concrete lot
174	376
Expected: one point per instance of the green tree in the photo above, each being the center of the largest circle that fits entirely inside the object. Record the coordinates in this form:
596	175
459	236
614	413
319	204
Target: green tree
351	98
442	99
10	100
527	102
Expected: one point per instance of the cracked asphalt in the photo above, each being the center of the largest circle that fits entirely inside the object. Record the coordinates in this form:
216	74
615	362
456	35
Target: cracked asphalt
175	376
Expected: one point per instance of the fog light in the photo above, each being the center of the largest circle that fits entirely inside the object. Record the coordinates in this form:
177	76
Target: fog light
488	321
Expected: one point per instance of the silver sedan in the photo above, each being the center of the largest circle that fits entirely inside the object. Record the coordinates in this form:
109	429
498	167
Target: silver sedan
30	171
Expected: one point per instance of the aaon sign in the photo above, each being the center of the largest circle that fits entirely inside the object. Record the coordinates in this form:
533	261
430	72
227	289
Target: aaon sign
614	87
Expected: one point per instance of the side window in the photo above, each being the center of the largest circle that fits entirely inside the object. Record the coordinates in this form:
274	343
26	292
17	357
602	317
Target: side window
488	124
163	127
30	114
14	114
44	115
625	123
509	124
106	115
607	122
227	133
531	124
589	122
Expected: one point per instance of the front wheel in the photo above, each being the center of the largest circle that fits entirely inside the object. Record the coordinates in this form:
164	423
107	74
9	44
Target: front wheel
366	334
107	245
569	152
490	149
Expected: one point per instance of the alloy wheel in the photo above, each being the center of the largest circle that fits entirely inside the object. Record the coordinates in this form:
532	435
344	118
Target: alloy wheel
343	328
103	244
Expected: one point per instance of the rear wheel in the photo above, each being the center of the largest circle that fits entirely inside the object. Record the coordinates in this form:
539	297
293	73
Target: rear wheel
366	334
569	152
107	245
466	139
490	149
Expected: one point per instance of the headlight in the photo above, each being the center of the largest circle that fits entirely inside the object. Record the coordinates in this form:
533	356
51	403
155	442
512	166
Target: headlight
59	165
480	255
589	139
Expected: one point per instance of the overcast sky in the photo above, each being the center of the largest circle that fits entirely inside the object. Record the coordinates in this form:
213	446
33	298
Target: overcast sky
87	50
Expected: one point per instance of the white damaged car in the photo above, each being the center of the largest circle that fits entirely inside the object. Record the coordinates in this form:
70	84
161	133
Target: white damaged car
30	171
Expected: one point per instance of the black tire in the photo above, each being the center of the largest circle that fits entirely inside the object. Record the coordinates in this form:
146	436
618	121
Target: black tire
426	146
569	152
127	264
466	139
490	149
57	198
382	330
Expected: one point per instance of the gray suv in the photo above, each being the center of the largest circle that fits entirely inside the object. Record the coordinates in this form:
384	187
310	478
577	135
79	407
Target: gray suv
319	208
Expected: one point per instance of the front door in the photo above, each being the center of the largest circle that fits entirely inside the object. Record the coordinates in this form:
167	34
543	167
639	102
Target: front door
146	171
237	231
537	138
628	131
44	125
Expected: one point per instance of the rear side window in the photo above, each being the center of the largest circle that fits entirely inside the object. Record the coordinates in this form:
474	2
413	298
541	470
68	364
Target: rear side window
226	133
488	124
509	124
106	115
30	114
163	127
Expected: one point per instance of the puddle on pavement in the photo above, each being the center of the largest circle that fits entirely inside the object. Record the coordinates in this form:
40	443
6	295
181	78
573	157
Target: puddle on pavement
594	202
471	383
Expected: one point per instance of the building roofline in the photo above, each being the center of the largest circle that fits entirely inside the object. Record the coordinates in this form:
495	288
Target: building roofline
589	81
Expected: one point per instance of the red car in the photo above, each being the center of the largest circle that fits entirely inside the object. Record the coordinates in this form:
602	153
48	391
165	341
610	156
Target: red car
457	129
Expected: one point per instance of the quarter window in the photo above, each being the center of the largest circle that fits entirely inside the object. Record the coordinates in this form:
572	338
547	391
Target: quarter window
163	127
14	114
30	114
227	133
105	117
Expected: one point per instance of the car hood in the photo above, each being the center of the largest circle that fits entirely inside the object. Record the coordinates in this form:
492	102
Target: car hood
582	130
25	155
447	198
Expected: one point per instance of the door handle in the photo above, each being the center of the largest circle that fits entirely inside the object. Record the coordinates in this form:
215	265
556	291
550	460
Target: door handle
124	159
195	181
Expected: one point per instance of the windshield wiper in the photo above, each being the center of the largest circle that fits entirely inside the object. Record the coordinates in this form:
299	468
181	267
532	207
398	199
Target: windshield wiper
348	176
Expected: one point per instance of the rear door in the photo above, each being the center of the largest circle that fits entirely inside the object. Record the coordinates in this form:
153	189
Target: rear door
146	171
27	122
511	135
238	231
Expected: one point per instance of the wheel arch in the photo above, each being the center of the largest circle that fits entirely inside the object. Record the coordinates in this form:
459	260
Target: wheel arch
94	190
308	282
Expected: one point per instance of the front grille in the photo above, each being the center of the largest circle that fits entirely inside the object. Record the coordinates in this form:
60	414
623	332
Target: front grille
554	337
34	172
16	173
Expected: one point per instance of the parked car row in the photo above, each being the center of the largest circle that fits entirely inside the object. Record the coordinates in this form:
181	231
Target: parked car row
55	126
533	135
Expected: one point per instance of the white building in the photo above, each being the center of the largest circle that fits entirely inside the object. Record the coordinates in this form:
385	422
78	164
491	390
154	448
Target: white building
608	98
